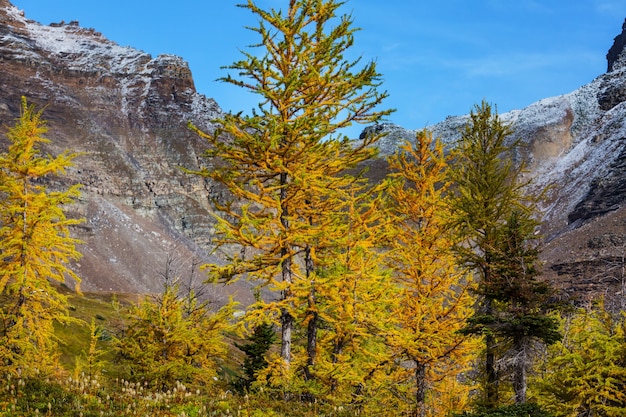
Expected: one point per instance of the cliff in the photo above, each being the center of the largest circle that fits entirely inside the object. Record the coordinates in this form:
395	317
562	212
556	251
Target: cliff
126	113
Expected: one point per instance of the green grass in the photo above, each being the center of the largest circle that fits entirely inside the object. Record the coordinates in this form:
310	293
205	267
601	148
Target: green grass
74	336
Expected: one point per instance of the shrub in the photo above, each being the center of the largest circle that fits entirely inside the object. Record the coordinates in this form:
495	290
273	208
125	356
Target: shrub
517	410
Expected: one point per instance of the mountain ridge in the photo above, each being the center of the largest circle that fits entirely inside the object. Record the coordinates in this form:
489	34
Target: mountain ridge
574	148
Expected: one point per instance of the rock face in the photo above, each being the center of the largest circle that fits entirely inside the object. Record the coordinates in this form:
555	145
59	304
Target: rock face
126	113
613	91
614	56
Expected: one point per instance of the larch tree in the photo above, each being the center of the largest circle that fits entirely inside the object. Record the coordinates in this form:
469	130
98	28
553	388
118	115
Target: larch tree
435	300
172	339
495	216
36	247
355	302
585	372
287	163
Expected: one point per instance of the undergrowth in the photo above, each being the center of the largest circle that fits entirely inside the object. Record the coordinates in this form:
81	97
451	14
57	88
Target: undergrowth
102	386
86	397
75	391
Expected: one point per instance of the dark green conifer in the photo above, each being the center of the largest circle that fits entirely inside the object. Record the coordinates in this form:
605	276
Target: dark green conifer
259	342
496	215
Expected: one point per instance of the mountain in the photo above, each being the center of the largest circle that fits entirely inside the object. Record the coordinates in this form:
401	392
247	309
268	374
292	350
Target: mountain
126	112
575	147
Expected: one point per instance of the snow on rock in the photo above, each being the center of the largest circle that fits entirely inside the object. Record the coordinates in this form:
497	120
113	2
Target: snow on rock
125	113
569	144
139	78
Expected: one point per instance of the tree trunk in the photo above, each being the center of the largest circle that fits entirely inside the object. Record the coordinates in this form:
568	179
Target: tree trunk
519	374
286	319
420	389
491	387
337	349
312	318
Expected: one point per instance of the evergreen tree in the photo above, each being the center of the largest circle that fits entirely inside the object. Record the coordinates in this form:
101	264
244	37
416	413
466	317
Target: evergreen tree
36	248
435	301
521	300
287	162
257	346
495	217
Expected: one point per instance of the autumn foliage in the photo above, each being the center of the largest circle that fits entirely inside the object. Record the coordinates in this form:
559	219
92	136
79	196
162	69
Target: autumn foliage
434	298
417	294
36	248
287	163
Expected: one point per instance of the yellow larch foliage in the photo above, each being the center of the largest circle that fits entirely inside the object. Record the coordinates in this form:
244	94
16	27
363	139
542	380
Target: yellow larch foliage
36	248
585	372
172	339
287	163
434	302
355	300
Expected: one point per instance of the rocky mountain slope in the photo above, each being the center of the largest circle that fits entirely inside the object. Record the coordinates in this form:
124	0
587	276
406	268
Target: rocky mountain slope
126	113
575	146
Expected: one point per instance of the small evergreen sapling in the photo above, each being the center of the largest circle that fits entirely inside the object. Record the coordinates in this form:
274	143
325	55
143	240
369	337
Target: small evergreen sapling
259	343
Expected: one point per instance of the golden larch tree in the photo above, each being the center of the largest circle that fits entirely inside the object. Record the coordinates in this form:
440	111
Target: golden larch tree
434	302
282	163
584	374
36	247
172	338
355	298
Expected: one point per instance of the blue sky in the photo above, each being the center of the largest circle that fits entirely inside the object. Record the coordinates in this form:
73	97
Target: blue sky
437	58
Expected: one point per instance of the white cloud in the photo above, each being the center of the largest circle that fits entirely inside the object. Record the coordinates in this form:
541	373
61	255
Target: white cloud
610	7
516	63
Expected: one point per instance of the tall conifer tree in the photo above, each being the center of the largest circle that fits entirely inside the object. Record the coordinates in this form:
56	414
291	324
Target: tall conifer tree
286	163
36	247
486	193
496	219
355	302
435	301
